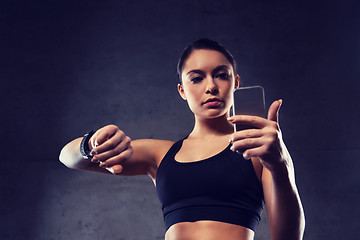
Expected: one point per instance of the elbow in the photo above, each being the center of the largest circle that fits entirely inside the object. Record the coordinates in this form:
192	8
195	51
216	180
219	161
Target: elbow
301	219
290	225
302	224
298	224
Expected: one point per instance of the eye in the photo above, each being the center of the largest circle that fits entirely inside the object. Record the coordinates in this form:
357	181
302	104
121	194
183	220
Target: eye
223	75
196	79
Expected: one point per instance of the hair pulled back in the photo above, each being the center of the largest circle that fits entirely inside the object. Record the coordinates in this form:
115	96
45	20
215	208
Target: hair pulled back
203	43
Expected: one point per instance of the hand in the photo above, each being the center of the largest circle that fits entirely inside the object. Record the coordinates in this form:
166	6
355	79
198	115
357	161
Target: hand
111	148
264	141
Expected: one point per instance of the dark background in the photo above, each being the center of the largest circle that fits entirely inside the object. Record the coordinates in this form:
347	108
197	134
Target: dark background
71	66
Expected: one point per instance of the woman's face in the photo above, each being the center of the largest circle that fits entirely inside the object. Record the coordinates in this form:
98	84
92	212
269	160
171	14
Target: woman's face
207	83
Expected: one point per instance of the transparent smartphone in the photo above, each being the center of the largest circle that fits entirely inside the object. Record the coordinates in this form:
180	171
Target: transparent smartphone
249	101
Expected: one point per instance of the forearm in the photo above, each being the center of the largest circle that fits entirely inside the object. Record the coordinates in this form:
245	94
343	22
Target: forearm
71	157
286	211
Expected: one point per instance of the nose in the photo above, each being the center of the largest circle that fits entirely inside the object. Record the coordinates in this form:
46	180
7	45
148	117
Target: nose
211	87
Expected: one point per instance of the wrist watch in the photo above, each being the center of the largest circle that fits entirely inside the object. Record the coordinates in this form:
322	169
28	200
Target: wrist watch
84	146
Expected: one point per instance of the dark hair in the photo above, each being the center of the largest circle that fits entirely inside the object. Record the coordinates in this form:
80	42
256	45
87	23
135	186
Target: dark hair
203	44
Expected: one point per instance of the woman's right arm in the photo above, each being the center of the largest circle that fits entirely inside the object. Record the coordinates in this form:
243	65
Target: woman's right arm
115	151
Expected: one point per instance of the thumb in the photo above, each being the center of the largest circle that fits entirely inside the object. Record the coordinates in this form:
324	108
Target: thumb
273	113
116	169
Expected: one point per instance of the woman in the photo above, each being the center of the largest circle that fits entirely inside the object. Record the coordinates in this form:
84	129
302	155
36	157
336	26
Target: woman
212	183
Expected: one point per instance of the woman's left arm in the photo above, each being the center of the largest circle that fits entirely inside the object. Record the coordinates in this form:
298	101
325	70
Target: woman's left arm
285	211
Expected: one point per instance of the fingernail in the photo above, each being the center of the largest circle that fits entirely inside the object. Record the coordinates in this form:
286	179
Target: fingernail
280	101
232	148
102	164
231	140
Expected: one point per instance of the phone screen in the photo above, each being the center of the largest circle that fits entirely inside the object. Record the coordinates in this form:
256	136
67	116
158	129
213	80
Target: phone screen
249	101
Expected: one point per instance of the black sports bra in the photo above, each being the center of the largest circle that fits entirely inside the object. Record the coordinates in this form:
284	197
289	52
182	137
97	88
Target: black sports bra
221	188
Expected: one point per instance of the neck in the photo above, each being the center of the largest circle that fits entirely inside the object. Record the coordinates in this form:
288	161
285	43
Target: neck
207	128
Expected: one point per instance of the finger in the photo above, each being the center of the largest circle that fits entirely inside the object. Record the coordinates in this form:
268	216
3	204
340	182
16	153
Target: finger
254	121
248	133
273	113
122	146
116	169
253	152
105	133
111	143
246	143
118	159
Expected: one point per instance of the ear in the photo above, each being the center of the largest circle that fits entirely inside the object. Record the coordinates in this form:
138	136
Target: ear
181	91
237	81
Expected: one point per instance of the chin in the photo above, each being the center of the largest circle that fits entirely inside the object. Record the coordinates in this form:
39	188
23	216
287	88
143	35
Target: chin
211	113
216	115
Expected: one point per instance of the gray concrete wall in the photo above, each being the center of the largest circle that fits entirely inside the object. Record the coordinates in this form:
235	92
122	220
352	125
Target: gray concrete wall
70	66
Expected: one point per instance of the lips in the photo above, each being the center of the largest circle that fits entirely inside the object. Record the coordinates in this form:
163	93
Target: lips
213	101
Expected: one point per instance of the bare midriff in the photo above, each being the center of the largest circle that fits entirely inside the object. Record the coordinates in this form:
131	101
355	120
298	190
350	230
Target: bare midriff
208	230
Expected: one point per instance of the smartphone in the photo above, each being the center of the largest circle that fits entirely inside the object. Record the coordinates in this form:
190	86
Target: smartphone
248	101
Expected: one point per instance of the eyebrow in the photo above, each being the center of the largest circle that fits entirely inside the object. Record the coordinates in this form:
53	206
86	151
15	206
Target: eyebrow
218	68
